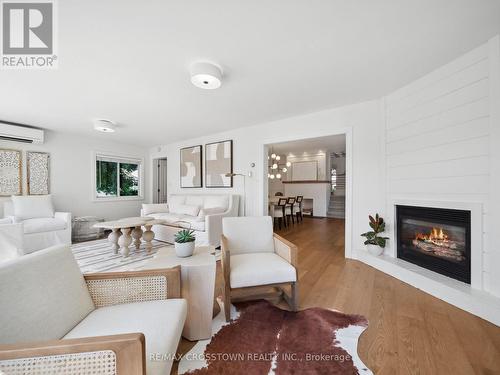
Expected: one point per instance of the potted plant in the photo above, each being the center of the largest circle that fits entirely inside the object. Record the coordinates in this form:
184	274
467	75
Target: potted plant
374	242
184	243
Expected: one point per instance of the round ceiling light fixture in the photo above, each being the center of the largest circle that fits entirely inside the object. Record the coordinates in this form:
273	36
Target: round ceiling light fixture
104	126
206	75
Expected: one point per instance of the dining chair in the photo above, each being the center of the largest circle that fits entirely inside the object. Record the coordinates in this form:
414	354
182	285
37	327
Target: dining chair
298	210
278	194
290	203
277	211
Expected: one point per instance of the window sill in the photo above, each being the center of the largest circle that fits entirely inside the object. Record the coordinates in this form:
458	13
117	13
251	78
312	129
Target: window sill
117	199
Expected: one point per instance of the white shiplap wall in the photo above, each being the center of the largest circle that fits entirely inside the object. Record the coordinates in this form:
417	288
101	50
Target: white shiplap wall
437	142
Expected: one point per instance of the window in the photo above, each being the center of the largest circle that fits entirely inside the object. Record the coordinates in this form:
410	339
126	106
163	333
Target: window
117	178
334	179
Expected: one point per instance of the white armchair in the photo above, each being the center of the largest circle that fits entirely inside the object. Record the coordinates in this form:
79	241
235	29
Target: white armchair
56	320
42	226
252	255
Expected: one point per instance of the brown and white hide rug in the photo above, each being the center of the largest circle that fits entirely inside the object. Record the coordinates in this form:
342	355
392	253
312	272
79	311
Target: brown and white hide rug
264	339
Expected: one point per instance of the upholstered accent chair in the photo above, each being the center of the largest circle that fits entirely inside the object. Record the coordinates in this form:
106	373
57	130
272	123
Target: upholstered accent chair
56	319
42	225
252	255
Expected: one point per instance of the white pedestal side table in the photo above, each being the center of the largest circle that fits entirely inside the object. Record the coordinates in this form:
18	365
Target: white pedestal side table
197	287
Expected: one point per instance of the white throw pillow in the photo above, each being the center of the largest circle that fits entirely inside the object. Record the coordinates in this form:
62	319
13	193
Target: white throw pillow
209	211
154	208
176	199
33	206
194	200
212	201
185	209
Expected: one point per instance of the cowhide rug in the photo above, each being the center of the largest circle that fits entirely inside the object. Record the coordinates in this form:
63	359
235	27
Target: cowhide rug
264	339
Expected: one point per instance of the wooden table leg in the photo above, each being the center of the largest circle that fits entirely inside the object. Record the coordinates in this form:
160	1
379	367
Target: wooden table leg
148	236
113	238
136	235
124	241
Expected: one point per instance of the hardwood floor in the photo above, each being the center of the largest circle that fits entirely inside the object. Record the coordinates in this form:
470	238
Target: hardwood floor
410	332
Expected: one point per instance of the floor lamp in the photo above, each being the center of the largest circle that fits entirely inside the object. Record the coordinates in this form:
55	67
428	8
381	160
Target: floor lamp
244	187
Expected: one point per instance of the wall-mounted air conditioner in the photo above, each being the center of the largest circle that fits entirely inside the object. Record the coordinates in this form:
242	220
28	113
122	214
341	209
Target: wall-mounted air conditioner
18	133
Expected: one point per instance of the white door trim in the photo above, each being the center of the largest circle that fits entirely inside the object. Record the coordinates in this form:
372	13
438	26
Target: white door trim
263	186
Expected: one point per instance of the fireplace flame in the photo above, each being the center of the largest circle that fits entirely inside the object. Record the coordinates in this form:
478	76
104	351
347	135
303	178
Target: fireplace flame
436	235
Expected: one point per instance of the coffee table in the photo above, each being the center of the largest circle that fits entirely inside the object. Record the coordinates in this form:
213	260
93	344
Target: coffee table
124	231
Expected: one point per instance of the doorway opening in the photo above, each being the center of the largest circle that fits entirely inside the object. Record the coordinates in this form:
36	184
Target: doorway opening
306	182
160	180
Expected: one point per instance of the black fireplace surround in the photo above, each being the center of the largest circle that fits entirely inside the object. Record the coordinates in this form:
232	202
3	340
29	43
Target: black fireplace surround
438	239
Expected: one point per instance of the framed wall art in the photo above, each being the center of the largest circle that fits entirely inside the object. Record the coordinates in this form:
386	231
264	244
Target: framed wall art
218	163
11	172
38	172
190	168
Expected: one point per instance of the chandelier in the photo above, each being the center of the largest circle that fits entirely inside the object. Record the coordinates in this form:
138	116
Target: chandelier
275	168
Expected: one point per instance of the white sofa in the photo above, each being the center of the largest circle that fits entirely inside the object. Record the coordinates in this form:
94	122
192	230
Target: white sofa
57	320
11	240
42	226
201	213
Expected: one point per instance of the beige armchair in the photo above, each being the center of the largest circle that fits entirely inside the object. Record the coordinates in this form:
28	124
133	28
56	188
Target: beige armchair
252	255
54	318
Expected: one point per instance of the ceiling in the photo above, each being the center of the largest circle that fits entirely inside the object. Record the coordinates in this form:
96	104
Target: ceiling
128	61
332	143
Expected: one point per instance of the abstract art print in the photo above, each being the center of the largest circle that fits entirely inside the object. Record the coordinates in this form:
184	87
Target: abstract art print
218	163
10	172
191	159
38	173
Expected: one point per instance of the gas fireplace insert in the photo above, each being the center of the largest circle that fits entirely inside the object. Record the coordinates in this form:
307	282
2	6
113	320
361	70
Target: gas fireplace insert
438	239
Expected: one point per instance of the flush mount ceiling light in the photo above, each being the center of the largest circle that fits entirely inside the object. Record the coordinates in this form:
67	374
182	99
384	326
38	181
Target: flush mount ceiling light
206	75
104	126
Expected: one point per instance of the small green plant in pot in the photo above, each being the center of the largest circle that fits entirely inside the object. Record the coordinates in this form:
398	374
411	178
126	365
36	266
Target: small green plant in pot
184	243
374	242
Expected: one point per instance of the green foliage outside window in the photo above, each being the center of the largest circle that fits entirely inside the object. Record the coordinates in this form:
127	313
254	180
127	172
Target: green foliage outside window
113	178
129	180
106	178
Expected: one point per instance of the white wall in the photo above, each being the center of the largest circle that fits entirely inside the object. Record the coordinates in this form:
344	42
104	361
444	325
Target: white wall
319	158
441	144
362	119
71	173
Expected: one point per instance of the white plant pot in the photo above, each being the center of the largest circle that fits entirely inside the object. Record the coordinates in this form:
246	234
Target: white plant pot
185	249
375	250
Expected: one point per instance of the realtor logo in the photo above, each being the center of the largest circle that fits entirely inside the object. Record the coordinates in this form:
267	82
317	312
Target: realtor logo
28	35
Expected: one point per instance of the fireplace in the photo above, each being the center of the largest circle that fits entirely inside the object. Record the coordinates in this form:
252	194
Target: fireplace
438	239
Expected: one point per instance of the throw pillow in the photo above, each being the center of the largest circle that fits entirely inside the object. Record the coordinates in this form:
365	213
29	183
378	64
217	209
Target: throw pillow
154	208
185	209
209	211
32	206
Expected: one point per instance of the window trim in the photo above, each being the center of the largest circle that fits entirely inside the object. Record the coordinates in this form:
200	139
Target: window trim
117	158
